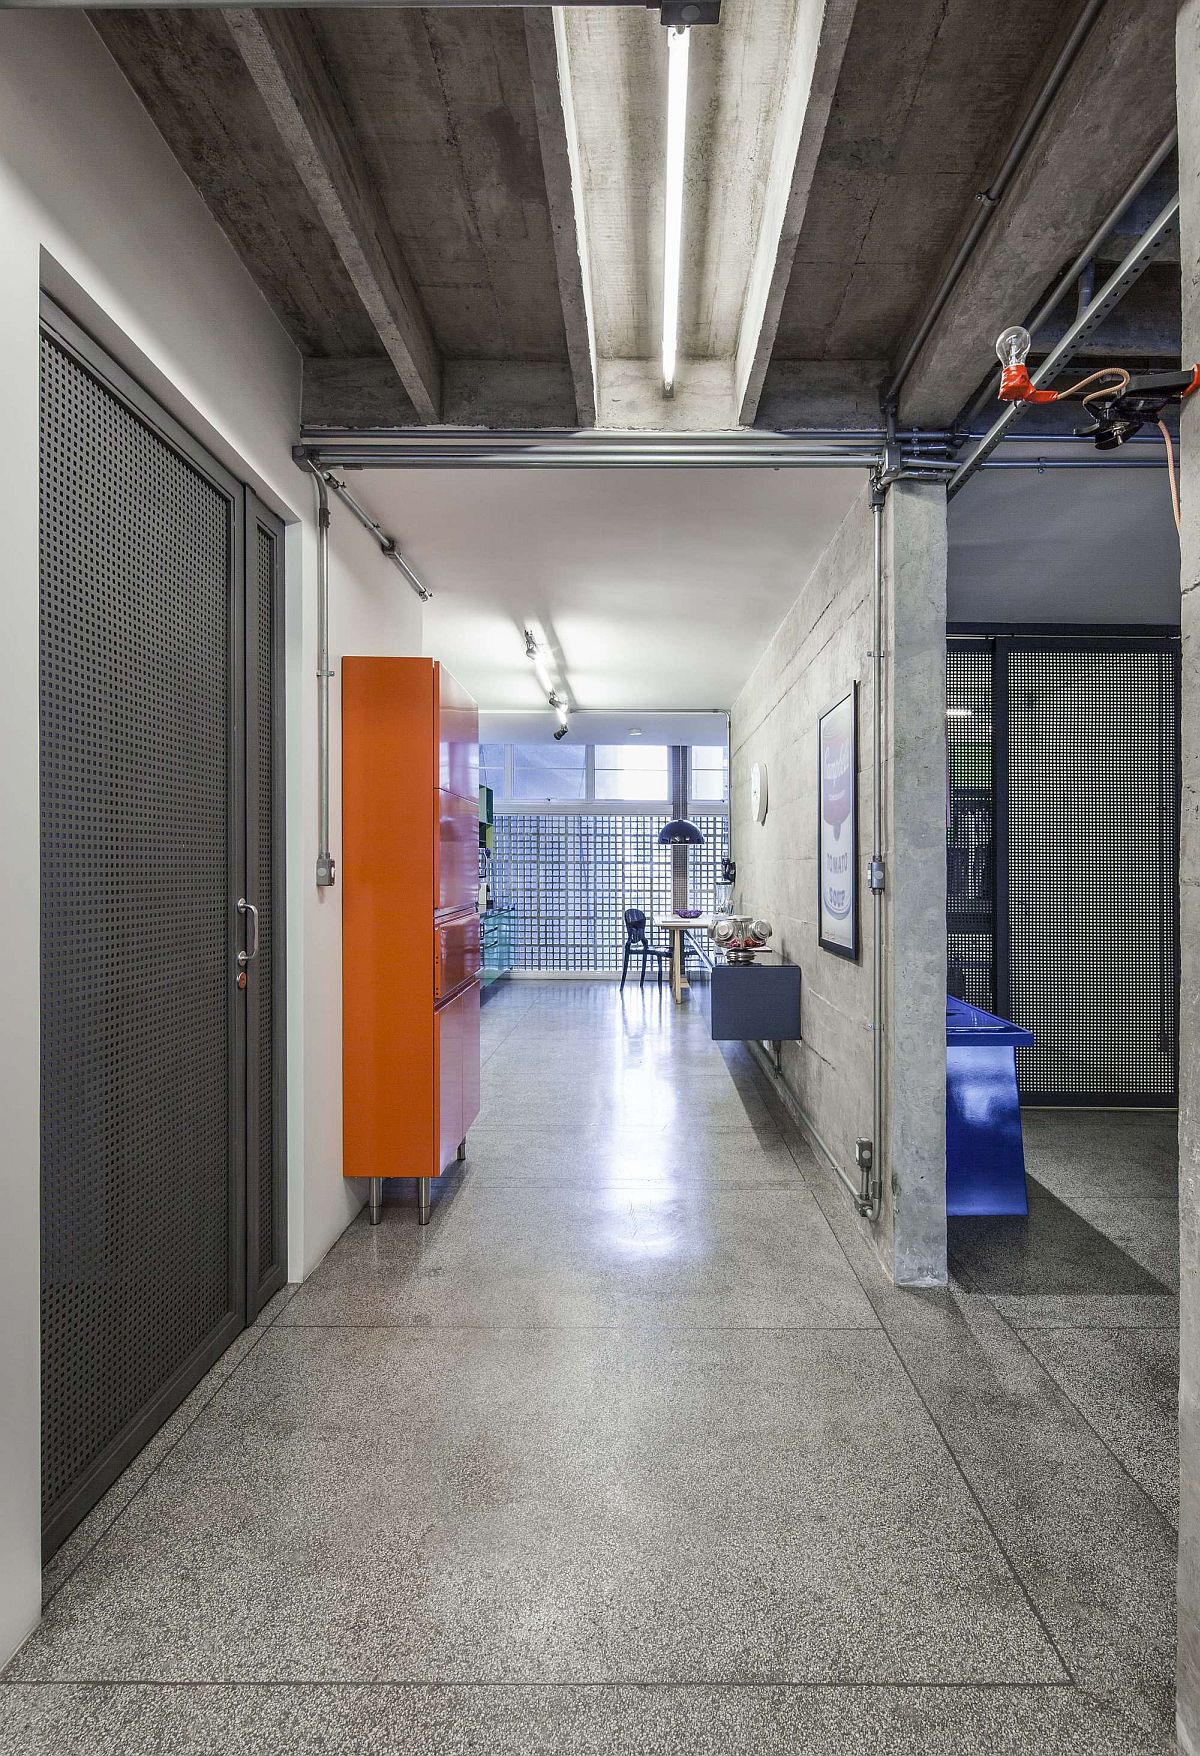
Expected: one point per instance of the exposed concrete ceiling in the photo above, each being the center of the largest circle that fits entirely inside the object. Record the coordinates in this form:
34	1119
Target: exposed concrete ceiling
457	213
654	588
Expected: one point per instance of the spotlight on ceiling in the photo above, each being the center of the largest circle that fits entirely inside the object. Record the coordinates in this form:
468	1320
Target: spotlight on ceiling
554	693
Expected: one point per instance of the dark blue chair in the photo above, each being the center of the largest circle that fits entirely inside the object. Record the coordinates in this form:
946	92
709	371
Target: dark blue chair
636	941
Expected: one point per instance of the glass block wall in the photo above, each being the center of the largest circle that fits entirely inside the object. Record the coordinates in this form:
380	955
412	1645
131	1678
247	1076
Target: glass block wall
570	879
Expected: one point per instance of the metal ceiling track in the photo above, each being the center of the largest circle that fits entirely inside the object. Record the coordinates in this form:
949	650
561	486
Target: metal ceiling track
423	448
915	455
1129	270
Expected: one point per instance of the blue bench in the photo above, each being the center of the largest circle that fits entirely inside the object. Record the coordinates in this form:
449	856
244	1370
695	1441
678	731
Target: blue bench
985	1156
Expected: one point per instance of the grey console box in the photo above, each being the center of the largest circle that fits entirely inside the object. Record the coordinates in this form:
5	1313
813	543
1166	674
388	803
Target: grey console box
758	1002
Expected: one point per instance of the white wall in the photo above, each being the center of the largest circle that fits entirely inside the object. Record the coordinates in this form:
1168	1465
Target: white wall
94	208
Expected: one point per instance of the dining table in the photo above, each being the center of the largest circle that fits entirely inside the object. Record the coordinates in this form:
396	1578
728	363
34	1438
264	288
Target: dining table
679	926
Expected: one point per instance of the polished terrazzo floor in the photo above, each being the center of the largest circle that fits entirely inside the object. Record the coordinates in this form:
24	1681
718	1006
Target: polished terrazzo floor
633	1450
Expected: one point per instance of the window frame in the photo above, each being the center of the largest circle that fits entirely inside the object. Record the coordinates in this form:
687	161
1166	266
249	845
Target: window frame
718	806
506	805
524	805
649	806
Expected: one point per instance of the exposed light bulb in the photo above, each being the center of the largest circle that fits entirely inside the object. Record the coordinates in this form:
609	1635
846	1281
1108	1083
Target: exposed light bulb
1012	346
677	92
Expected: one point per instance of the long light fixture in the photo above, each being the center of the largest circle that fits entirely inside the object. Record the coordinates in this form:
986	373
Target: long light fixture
554	693
677	95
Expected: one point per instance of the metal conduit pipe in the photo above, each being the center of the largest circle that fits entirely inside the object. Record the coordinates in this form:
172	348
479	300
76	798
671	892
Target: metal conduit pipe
446	439
1082	263
871	1196
990	198
324	855
388	545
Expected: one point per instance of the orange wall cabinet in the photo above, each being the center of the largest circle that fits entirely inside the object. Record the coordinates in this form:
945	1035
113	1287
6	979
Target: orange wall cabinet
411	952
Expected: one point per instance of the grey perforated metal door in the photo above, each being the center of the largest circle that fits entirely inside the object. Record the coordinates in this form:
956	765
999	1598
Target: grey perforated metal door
1063	856
266	1241
148	797
1092	840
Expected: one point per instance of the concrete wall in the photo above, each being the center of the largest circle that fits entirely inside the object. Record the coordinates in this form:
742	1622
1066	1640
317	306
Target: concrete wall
1188	58
94	208
1073	545
821	648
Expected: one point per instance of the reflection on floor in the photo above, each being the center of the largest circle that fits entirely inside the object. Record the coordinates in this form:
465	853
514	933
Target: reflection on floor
632	1450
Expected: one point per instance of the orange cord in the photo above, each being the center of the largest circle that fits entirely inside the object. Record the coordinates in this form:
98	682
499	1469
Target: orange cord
1162	427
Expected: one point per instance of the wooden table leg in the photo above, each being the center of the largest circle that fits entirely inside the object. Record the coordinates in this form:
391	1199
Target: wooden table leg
677	982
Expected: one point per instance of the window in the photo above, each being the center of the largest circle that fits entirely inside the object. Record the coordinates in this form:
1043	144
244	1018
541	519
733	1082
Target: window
709	781
554	772
633	771
491	768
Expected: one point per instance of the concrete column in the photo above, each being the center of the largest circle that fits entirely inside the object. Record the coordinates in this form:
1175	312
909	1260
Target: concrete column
1188	1683
915	907
821	649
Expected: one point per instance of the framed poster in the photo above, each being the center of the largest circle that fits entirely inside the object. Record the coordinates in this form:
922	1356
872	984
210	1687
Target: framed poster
837	827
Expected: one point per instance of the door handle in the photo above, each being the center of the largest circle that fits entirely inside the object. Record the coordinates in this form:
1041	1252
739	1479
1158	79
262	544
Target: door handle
251	952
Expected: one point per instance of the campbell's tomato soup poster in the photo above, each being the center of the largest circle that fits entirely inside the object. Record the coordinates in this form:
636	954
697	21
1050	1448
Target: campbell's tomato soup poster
837	851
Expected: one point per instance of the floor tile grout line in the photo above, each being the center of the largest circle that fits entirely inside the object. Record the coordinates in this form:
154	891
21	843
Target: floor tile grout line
508	1033
1066	1396
1088	1328
971	1284
989	1685
875	1328
102	1535
952	1455
1008	1559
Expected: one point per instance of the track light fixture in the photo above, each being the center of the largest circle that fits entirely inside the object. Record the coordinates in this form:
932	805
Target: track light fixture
555	695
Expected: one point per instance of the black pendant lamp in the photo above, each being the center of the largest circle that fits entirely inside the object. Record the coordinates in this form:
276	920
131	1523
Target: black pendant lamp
679	830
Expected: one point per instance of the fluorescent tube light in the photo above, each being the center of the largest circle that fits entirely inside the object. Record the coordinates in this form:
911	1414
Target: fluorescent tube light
677	93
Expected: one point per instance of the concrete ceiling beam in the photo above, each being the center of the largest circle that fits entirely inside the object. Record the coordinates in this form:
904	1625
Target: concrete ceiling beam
1111	112
825	394
281	55
361	393
820	32
550	72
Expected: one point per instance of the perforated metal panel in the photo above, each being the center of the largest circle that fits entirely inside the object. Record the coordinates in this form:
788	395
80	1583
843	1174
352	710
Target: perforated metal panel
569	879
1092	869
265	1241
141	1226
970	838
1063	854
